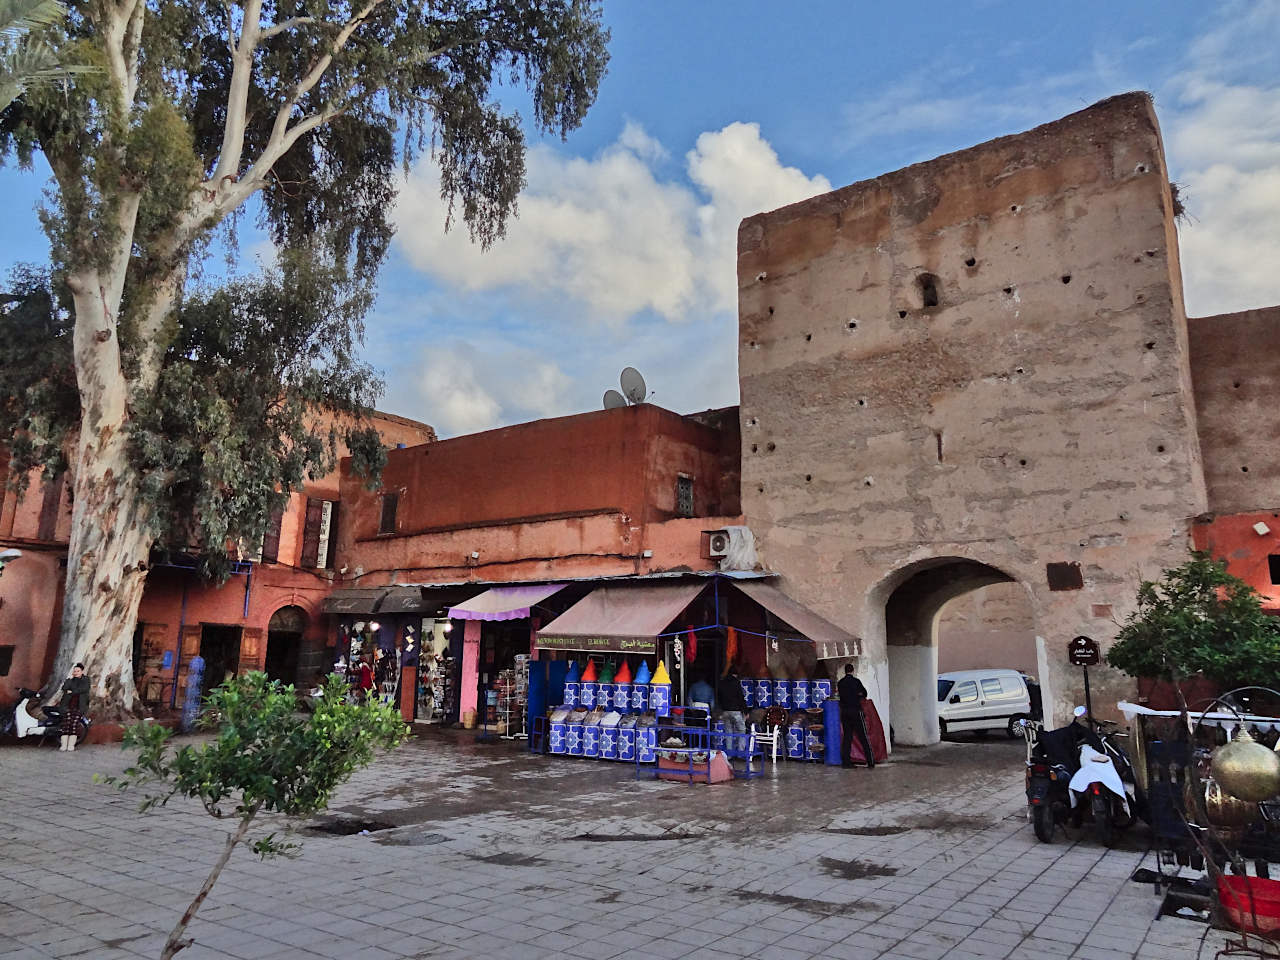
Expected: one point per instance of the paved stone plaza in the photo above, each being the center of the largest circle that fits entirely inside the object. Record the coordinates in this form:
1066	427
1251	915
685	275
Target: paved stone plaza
483	851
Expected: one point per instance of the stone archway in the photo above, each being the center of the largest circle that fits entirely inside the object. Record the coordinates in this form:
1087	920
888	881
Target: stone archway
913	599
284	643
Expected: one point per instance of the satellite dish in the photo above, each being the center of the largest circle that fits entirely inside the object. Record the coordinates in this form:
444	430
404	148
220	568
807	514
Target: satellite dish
613	399
633	387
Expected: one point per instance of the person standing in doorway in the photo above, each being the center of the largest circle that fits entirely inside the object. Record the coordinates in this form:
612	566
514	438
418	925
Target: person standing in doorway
75	701
852	693
733	710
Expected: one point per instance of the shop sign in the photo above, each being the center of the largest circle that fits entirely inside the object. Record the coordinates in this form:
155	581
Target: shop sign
638	645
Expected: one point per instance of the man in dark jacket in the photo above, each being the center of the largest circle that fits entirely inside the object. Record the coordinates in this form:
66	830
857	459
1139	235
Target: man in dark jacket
733	708
852	693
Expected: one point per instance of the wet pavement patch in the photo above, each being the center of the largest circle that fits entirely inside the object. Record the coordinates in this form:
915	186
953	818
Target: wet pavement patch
948	821
506	859
882	830
609	897
855	869
411	838
347	826
817	908
610	837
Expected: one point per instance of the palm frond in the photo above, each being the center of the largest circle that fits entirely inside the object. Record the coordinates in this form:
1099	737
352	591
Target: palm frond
21	16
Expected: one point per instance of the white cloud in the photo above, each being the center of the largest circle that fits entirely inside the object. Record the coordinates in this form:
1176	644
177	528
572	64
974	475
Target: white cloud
1224	149
607	232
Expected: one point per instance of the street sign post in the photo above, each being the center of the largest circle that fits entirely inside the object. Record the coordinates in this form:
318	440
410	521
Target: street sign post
1083	652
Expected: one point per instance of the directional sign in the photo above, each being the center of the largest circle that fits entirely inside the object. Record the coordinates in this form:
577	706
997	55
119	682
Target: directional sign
1083	651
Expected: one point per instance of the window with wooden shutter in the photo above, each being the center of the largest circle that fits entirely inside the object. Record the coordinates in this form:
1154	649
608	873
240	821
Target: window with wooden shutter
271	538
328	561
311	532
387	521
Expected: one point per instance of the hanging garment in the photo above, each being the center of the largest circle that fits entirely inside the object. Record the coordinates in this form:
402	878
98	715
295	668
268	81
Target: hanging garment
730	648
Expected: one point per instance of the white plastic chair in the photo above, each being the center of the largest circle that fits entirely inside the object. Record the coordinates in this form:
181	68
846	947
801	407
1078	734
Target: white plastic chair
767	737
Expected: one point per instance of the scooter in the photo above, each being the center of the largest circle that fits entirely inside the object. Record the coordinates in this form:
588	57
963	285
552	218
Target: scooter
23	724
1072	771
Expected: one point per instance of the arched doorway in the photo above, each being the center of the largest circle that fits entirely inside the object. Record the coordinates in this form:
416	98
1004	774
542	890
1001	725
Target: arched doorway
284	642
914	598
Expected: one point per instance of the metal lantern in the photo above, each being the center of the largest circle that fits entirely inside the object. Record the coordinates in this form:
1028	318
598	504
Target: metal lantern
1224	810
1247	770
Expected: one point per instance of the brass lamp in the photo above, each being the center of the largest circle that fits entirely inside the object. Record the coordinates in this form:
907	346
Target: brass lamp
1247	770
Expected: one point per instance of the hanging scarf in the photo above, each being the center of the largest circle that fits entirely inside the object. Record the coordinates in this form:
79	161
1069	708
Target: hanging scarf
690	645
730	649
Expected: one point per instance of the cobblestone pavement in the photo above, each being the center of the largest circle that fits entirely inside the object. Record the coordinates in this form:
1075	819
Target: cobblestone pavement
485	851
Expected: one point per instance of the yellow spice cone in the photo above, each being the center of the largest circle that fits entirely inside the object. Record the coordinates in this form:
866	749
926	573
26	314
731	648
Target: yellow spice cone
660	675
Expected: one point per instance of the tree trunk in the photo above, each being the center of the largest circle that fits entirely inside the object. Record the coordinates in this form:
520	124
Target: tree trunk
110	534
175	941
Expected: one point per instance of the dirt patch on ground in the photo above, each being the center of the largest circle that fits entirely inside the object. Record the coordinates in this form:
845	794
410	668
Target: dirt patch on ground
816	908
507	859
855	869
881	830
942	820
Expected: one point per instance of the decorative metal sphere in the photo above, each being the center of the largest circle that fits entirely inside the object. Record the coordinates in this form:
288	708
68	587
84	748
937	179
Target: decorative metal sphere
1224	810
1246	769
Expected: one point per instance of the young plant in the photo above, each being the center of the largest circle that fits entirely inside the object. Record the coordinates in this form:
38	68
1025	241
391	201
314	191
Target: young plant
1199	619
266	757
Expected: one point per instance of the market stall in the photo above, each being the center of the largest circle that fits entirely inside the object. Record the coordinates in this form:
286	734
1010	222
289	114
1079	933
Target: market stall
632	654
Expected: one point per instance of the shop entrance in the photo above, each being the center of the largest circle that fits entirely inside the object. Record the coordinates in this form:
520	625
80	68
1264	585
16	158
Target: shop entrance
915	598
284	642
220	650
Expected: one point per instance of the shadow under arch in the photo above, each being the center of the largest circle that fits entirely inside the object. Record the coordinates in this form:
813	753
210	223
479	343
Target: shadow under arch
910	600
285	631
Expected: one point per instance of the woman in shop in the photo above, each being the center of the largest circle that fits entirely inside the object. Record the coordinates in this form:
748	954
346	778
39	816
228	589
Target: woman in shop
364	682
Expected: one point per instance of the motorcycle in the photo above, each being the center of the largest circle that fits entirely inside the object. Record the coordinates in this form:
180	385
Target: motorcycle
21	723
1075	770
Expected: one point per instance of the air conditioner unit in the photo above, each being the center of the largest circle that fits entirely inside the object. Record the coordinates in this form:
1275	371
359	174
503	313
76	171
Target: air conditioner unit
734	547
716	544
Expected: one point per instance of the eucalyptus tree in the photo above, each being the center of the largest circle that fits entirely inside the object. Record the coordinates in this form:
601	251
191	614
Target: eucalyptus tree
199	106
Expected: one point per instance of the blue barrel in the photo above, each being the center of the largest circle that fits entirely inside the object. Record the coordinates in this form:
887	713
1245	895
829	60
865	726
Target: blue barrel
622	697
558	736
660	699
814	743
604	695
572	693
819	693
587	695
591	740
831	730
647	744
795	740
717	736
800	690
608	743
764	693
626	743
748	692
573	738
782	694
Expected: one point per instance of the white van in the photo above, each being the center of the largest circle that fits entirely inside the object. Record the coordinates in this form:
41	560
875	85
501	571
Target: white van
982	700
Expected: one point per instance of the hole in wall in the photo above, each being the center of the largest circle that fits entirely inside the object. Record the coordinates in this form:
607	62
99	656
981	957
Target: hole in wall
1244	469
862	401
1236	385
1008	291
808	478
1014	208
752	422
760	488
771	311
808	337
1142	168
1066	278
1151	344
868	481
937	436
1160	448
1018	370
771	446
902	314
971	262
1022	463
753	345
755	448
927	284
853	324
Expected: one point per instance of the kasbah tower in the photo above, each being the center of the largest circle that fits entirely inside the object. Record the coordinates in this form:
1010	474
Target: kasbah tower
973	371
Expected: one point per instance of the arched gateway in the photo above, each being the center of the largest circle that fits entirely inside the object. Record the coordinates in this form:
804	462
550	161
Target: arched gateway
910	601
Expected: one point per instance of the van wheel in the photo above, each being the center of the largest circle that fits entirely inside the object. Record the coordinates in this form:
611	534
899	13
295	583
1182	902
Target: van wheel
942	729
1012	728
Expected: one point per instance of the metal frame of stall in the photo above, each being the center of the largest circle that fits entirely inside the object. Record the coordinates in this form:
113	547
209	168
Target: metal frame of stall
704	735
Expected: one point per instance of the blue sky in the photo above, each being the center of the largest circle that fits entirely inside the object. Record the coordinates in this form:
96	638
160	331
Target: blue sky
624	250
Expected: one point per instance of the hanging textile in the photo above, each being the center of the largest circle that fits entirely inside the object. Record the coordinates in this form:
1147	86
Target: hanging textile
691	645
730	648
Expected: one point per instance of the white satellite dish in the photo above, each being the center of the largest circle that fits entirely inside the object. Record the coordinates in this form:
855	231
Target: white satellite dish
613	399
633	387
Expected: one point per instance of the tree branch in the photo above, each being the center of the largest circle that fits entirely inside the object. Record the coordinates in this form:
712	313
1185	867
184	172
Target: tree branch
242	50
286	25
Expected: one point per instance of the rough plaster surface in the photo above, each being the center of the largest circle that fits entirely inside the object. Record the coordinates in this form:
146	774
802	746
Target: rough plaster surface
1236	378
1038	413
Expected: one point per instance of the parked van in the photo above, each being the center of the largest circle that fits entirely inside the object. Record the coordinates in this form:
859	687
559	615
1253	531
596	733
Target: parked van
982	700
